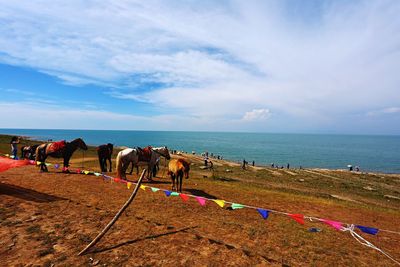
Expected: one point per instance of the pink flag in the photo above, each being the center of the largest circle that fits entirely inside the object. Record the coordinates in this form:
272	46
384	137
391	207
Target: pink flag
298	218
334	224
202	201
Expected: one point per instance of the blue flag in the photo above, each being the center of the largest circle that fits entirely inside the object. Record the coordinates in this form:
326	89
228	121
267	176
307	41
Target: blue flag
264	213
368	230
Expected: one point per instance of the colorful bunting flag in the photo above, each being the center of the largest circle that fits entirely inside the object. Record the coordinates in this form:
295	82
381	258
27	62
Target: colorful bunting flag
264	213
117	180
368	230
32	162
143	187
298	218
167	193
202	201
154	189
129	184
38	163
175	194
334	224
78	171
86	172
219	202
47	164
235	206
184	197
56	166
97	174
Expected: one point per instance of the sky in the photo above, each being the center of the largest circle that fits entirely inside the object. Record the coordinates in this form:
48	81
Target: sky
248	66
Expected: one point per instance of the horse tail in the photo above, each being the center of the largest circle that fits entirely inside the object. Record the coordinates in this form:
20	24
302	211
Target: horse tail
37	157
119	164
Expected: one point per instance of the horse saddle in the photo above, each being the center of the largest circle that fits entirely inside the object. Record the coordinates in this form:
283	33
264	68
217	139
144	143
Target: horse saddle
56	146
144	154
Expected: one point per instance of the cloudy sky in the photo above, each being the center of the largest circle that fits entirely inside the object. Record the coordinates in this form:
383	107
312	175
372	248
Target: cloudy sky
269	66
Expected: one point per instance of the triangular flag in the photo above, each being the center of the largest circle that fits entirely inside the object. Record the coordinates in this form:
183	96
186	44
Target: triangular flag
143	187
117	180
334	224
264	213
184	197
298	218
202	201
167	193
78	171
97	174
175	194
220	202
56	166
235	206
48	164
368	230
154	189
86	172
32	162
128	184
38	163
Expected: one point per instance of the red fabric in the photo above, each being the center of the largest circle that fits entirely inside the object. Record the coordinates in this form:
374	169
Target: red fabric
145	154
298	218
56	146
184	197
6	163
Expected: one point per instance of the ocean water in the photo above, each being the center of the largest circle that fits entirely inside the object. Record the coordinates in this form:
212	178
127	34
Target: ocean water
370	152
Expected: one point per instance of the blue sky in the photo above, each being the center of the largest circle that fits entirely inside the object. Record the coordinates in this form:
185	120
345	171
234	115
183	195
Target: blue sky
269	66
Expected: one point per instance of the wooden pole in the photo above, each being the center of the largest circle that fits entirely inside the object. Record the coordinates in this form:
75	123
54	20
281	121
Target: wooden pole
127	203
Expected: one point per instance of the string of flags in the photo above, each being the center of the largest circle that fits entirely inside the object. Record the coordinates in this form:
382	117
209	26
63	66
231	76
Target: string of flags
300	218
263	212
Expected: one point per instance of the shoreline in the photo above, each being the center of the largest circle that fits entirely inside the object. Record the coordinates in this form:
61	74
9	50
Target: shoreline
225	161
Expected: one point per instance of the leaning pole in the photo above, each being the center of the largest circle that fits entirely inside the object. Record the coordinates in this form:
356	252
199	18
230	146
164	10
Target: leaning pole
110	224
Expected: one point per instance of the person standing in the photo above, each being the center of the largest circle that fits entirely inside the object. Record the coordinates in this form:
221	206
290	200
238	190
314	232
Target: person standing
14	146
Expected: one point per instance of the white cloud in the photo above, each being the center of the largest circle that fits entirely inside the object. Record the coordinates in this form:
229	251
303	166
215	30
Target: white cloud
216	60
257	115
389	110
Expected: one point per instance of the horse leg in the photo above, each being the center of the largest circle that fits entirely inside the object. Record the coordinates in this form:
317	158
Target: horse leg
100	162
130	173
173	181
180	182
109	161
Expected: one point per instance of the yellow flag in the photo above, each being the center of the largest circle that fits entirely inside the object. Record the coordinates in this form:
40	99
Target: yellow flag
128	184
220	202
143	187
86	172
38	163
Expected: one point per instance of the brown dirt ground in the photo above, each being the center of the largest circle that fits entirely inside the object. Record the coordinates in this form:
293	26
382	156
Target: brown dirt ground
47	218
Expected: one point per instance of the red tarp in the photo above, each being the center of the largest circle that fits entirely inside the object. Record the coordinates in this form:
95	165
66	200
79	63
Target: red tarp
7	163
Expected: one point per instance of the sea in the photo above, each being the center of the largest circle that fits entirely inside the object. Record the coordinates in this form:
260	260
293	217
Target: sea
372	153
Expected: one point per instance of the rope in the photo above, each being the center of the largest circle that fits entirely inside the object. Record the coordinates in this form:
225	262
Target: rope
362	241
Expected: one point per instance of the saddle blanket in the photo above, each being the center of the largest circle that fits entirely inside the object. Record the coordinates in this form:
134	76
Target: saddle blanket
144	153
56	146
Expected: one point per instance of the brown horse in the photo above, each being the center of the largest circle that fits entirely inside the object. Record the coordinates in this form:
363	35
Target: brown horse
28	152
177	168
60	149
105	152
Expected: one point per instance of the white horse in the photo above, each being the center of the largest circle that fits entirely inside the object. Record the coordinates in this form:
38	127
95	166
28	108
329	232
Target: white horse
131	155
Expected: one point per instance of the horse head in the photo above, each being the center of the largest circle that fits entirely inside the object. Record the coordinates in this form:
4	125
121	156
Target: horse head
165	152
81	144
110	147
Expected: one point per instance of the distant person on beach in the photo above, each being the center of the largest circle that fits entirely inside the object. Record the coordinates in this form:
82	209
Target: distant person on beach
253	163
14	146
288	166
244	164
272	165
